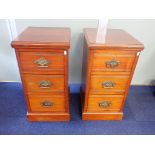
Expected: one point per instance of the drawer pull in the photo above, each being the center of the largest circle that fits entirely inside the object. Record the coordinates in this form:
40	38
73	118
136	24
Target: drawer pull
45	84
112	64
46	104
42	62
108	84
104	104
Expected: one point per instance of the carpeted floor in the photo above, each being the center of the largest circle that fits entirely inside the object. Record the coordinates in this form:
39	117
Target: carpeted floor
139	115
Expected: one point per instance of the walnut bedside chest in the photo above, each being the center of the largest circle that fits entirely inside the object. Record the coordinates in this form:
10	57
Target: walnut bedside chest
107	72
42	55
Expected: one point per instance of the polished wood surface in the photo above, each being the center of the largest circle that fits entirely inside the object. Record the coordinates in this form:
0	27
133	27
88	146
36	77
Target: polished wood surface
34	83
42	55
57	103
98	84
101	58
115	39
46	37
111	116
106	74
55	61
94	102
48	117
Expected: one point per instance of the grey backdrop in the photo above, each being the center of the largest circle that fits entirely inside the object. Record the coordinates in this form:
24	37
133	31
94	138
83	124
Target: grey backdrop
143	30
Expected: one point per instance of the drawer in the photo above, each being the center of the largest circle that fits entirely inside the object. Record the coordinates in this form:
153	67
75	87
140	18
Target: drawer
112	61
42	62
103	103
47	103
108	84
44	83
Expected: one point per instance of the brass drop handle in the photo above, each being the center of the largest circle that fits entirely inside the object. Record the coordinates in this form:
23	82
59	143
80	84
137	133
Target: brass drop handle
108	84
112	64
42	62
104	104
45	84
47	104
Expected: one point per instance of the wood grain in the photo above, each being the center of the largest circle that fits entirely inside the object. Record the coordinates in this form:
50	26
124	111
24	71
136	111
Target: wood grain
55	66
43	37
115	39
33	83
97	83
50	45
36	101
48	117
123	51
100	58
90	116
95	100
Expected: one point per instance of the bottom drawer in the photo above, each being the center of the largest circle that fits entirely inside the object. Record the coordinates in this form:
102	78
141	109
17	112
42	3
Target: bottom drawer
47	103
103	103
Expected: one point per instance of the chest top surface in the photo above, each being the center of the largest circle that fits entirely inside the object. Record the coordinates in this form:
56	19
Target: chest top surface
115	38
43	37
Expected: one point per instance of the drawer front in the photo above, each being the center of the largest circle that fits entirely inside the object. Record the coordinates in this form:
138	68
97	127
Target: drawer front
103	103
42	62
44	83
47	103
112	62
108	84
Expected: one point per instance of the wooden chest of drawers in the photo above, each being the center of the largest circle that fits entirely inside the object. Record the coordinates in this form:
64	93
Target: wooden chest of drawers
42	55
107	72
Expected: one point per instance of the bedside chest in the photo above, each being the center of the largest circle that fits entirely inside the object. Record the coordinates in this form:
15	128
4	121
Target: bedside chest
107	72
42	55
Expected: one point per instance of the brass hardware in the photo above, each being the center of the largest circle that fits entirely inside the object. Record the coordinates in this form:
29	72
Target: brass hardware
45	84
47	104
112	64
104	104
108	84
42	62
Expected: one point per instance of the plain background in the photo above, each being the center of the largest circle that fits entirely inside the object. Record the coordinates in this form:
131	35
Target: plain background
141	29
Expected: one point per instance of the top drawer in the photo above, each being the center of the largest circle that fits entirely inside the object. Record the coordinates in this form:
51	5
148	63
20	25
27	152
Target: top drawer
42	62
112	61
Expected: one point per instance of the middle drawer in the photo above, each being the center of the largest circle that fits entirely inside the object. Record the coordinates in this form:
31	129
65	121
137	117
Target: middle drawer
100	84
44	83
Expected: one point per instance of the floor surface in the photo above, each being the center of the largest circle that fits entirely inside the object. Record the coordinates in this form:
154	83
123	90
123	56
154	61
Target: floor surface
139	115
